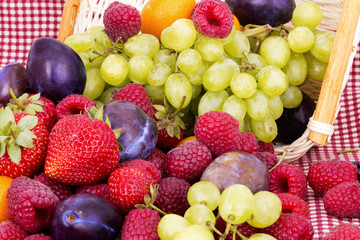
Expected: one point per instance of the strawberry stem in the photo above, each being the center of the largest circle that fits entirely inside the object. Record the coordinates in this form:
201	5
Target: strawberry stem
16	100
179	108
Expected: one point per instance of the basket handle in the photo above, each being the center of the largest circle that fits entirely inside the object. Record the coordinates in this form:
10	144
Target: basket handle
334	78
68	19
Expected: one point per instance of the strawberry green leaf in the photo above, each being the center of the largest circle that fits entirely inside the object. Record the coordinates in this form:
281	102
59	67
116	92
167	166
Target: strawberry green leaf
170	131
25	139
34	108
160	115
160	108
14	152
33	98
27	123
177	132
6	116
3	142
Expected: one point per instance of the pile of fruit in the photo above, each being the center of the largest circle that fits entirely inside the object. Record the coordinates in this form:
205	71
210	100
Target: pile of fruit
161	126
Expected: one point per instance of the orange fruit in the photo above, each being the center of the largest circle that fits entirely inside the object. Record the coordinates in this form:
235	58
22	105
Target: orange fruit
160	14
237	24
4	185
182	141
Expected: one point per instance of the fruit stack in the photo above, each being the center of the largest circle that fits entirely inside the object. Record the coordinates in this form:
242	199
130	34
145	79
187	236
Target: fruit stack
163	127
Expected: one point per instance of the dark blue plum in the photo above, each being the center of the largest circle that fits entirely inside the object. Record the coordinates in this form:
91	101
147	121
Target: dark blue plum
260	12
13	76
85	216
140	131
54	69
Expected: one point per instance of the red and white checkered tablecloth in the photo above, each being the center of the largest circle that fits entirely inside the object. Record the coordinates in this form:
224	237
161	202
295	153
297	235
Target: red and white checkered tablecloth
22	21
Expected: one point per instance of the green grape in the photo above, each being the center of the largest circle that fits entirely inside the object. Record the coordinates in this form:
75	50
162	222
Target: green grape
315	69
194	232
80	42
276	51
114	69
267	209
219	75
139	68
236	204
307	14
98	32
158	74
142	44
247	123
85	59
204	192
177	86
212	101
210	49
301	39
255	63
229	38
94	84
323	45
292	97
265	130
182	34
239	46
164	38
196	91
157	94
166	56
123	83
189	60
170	224
107	95
261	236
276	107
296	69
196	78
201	215
272	80
96	55
235	106
243	85
257	106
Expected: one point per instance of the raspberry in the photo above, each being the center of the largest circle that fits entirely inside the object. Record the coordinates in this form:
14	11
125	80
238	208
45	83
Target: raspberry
343	231
288	178
324	175
121	21
157	157
343	200
146	165
30	203
60	190
10	230
270	159
141	224
248	143
38	236
244	228
266	147
172	195
101	190
136	93
293	204
219	131
291	226
212	18
73	104
187	161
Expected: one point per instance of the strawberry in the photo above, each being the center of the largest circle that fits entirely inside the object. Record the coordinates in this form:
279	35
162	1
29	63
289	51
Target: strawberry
81	151
24	141
73	104
156	174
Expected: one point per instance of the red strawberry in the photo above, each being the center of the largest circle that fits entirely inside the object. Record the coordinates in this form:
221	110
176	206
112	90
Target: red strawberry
293	204
81	151
10	230
73	104
128	187
141	224
60	190
26	156
324	175
343	200
344	231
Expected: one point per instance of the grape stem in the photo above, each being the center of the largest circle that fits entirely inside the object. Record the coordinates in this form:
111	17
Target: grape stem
348	150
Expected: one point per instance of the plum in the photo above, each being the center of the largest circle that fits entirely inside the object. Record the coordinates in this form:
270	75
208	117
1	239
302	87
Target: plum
260	12
140	132
54	69
238	168
13	76
84	216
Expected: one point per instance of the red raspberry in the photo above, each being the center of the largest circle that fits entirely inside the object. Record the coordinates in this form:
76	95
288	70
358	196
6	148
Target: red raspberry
141	224
135	93
10	230
343	231
324	175
219	131
30	203
266	147
60	190
172	195
248	143
188	161
291	226
213	18
38	236
343	200
73	104
101	189
146	165
121	21
293	204
288	178
244	228
270	159
157	157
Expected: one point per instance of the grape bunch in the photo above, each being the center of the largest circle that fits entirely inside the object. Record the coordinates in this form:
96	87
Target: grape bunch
252	77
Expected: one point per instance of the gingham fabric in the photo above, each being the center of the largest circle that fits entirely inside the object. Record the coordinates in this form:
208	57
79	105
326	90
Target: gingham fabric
22	21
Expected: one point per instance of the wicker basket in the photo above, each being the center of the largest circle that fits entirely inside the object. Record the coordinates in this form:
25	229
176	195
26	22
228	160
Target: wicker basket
340	16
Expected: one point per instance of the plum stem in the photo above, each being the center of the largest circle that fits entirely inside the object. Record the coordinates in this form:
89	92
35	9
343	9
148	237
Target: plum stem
16	100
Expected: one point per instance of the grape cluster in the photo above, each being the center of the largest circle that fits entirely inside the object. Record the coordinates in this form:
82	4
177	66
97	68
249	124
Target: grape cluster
253	78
